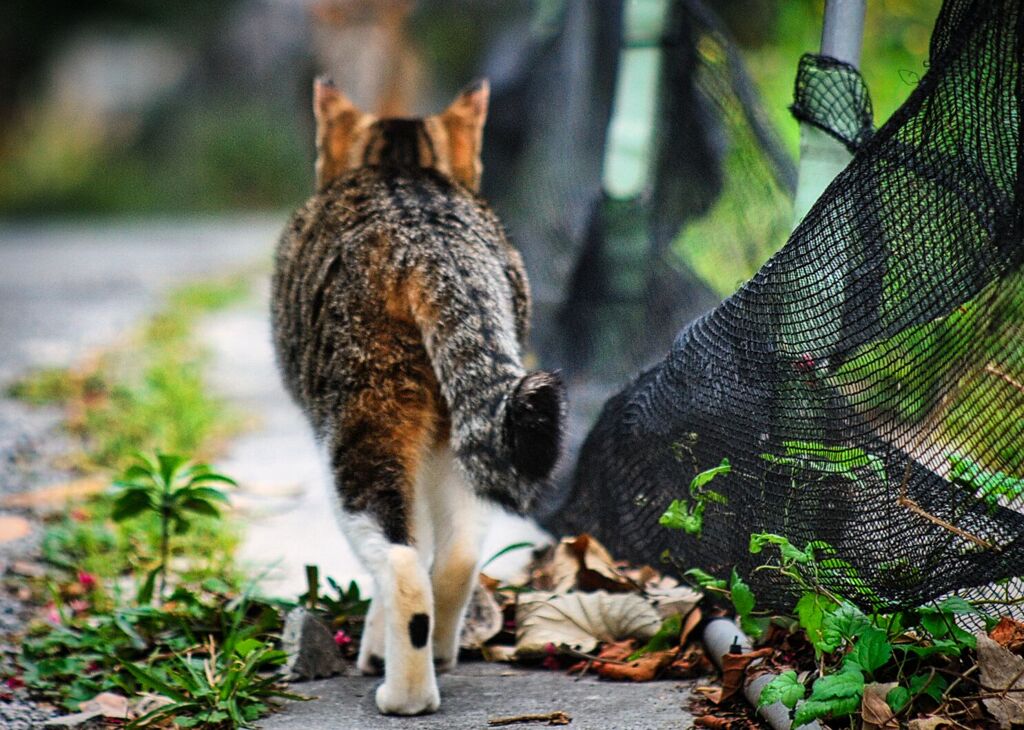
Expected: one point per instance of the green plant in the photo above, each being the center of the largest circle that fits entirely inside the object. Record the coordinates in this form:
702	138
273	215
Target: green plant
853	648
173	488
827	459
987	485
237	681
689	517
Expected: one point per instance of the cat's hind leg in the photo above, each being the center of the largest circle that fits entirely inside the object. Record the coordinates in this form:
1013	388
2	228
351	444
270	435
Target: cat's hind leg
376	454
459	521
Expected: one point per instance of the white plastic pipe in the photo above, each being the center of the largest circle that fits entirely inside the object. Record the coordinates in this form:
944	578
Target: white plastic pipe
722	636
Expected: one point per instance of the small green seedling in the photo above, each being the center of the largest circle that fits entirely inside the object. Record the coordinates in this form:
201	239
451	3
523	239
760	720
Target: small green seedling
176	490
682	514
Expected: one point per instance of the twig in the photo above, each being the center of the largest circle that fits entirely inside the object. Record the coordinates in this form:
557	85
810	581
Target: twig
1005	377
551	718
917	509
960	677
591	658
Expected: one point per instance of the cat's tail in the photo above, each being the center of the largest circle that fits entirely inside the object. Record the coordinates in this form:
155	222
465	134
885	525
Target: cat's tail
506	423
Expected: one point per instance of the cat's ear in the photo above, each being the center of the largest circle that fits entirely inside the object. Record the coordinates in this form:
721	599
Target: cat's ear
464	123
338	124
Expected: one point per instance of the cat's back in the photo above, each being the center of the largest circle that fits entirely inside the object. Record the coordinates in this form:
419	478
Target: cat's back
346	252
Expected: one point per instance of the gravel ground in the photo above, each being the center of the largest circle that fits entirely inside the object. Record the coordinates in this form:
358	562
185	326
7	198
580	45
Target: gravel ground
64	291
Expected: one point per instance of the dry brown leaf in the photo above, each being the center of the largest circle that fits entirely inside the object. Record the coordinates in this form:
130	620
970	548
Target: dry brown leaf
693	662
56	496
734	671
642	669
583	563
692	621
999	667
671	601
13	527
581	620
483	619
106	704
930	723
719	723
875	711
1008	633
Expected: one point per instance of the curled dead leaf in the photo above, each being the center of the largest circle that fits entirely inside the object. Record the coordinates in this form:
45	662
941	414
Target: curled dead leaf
584	564
483	619
734	672
1008	633
581	620
874	710
1002	670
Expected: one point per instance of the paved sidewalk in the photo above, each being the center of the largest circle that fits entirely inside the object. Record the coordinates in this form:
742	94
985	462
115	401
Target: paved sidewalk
477	692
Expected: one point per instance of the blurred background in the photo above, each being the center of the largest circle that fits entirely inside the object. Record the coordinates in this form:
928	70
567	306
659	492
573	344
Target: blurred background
132	107
640	152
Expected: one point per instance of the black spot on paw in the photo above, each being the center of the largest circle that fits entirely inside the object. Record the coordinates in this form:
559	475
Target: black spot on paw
419	630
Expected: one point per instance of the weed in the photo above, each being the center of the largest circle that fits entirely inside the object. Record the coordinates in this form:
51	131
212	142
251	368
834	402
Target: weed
688	516
175	490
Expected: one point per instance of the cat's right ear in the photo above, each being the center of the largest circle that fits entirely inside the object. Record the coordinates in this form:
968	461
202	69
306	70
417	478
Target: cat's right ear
338	124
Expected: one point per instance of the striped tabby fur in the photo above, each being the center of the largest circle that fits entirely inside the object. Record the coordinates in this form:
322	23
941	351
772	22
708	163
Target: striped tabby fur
400	312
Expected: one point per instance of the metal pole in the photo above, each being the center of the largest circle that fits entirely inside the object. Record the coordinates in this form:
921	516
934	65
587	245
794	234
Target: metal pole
821	156
842	31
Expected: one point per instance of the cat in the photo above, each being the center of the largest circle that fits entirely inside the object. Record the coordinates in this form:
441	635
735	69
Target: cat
400	312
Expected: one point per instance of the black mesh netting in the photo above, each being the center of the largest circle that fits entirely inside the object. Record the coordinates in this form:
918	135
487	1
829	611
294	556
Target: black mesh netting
867	384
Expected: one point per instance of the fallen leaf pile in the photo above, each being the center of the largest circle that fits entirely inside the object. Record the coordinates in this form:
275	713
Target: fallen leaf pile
579	609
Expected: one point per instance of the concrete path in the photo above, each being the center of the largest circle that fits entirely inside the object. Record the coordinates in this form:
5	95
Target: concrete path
65	290
477	692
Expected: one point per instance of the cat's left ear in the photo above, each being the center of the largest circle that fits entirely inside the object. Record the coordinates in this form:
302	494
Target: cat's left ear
464	122
338	124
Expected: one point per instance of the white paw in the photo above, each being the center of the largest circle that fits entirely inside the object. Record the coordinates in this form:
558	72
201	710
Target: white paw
419	701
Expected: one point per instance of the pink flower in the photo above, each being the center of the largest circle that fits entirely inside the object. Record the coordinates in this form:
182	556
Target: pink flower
86	580
52	614
342	639
79	606
14	682
551	662
805	364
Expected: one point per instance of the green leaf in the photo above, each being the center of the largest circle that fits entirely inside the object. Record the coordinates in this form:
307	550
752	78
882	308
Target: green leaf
785	688
247	646
145	594
150	680
872	650
504	551
708	474
754	627
928	684
679	516
742	596
846	623
130	503
664	638
897	698
843	685
200	507
705	580
811	610
814	709
936	624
